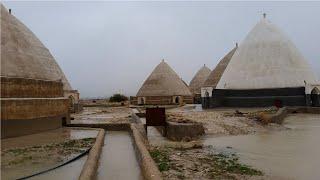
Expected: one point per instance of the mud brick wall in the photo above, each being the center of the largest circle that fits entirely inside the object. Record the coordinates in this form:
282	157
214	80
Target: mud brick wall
158	100
188	99
30	108
30	88
26	116
133	100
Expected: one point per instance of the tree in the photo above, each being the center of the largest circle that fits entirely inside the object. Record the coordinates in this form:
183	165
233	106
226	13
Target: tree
118	98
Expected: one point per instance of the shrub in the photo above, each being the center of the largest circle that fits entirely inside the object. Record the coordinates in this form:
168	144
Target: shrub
118	98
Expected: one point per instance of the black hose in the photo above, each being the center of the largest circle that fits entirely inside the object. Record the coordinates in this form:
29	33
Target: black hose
65	163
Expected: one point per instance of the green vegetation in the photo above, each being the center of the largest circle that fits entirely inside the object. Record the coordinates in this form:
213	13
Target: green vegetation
199	162
224	165
118	98
161	157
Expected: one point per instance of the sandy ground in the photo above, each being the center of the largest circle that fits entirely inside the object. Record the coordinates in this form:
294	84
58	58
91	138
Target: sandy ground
26	155
102	115
224	121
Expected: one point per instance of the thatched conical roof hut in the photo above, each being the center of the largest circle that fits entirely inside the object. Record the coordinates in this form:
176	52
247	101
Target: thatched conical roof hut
24	55
163	84
32	83
198	80
215	75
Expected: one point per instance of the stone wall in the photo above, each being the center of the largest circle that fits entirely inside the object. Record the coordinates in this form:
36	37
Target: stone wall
30	88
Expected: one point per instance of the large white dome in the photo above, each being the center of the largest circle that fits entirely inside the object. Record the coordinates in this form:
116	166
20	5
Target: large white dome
266	59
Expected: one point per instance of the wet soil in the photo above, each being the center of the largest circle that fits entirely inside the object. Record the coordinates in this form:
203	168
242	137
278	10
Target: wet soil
94	115
224	121
200	163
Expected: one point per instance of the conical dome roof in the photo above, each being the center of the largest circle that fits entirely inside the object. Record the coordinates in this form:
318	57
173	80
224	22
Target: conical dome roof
198	80
216	74
163	81
23	55
266	59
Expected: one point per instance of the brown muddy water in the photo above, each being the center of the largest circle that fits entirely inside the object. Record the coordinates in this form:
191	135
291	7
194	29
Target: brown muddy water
70	171
118	159
287	154
28	167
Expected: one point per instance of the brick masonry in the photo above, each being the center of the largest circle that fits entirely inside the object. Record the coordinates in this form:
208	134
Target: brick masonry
31	105
30	88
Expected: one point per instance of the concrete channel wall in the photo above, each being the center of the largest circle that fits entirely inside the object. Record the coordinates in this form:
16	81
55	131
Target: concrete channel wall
89	169
148	166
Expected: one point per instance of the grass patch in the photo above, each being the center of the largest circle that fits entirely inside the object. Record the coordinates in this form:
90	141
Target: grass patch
161	157
222	164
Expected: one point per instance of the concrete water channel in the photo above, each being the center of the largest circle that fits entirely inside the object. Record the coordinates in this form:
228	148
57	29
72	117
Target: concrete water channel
117	161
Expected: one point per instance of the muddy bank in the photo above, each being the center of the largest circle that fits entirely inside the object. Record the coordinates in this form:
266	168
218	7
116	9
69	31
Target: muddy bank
94	115
221	122
199	162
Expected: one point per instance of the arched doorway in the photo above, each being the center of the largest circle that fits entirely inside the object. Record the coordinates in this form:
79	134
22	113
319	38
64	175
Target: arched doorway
315	97
177	100
207	94
71	103
141	100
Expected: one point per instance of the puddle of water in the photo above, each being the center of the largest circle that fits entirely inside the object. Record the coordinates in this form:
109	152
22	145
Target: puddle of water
52	136
290	154
118	159
26	167
70	171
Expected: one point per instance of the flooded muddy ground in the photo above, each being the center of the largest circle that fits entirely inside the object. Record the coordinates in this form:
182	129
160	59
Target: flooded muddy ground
288	154
224	121
94	115
118	159
27	155
288	151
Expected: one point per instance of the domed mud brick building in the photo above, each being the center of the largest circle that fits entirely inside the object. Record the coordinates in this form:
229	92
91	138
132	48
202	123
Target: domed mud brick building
197	82
32	83
266	69
163	87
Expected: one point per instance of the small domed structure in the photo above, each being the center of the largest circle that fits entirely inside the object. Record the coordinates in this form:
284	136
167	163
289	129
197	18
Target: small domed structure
197	82
32	83
163	87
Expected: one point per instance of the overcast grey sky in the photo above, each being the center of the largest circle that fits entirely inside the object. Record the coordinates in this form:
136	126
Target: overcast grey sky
109	47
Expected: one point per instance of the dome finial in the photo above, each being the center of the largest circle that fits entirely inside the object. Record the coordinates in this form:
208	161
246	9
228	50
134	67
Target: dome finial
264	15
204	65
9	11
162	60
236	44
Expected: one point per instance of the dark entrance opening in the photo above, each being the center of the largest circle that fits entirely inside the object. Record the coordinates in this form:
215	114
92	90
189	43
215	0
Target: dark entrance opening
177	100
315	97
